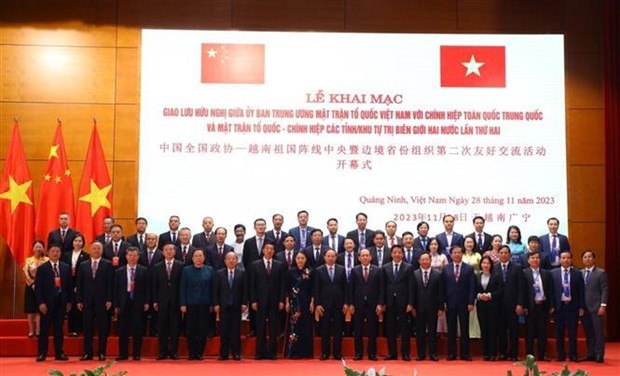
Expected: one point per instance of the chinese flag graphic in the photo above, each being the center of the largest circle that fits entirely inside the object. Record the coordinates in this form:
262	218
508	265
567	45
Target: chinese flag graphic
473	66
224	63
16	200
56	192
95	192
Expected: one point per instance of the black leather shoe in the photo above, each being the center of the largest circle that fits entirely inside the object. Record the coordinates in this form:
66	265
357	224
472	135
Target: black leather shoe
87	357
466	358
513	359
434	358
420	358
160	357
222	358
338	357
62	357
451	357
174	357
372	357
357	357
138	358
41	358
560	359
503	357
574	359
544	359
101	357
599	359
236	357
406	358
259	357
199	357
121	358
324	357
390	357
587	359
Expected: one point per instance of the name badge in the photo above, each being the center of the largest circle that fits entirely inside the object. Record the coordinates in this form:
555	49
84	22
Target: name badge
57	281
536	288
115	261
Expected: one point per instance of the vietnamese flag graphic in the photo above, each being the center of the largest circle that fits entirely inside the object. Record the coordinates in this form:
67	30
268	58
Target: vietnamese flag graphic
56	192
95	192
16	200
473	66
225	63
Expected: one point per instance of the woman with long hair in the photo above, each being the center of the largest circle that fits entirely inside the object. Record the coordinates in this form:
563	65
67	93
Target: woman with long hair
31	308
299	307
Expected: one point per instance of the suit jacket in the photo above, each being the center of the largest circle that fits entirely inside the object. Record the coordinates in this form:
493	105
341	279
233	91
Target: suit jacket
577	290
331	295
251	252
495	287
418	246
54	237
545	260
108	252
387	257
296	232
135	241
398	240
514	285
545	243
596	289
213	256
279	244
444	246
427	298
144	258
528	288
166	237
45	289
341	259
366	291
462	292
190	252
267	289
166	290
368	234
224	295
398	289
281	256
415	257
199	240
141	291
67	258
487	239
99	289
310	255
327	242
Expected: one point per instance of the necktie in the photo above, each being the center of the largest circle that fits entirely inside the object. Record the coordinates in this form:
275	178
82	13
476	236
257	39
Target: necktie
63	233
260	245
392	241
379	257
169	268
184	252
457	271
480	242
566	284
141	240
303	238
334	243
424	243
504	272
268	266
94	268
277	236
396	270
115	249
174	237
331	273
366	273
409	256
231	277
317	253
554	249
585	279
219	251
208	237
349	261
56	272
288	258
150	257
362	241
132	278
425	277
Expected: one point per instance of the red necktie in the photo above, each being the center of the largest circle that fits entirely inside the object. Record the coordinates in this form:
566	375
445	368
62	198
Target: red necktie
391	241
457	271
366	273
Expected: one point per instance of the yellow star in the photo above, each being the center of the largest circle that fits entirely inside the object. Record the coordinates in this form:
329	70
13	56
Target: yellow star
58	179
48	177
17	193
67	173
97	197
54	151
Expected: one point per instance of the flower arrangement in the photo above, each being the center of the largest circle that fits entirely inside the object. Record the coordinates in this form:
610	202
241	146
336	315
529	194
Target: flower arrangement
99	371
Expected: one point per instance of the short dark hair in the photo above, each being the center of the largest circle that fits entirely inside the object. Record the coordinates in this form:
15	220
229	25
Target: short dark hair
490	261
332	219
553	219
302	211
532	254
276	215
362	214
379	232
54	245
259	219
586	251
141	219
420	224
533	238
407	233
239	225
478	217
456	247
116	225
446	216
316	230
221	228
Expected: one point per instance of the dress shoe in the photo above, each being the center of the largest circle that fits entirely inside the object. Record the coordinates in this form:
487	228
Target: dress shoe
41	358
390	357
513	359
73	334
357	357
191	357
372	357
101	357
221	358
503	357
161	357
485	358
406	358
434	358
198	357
259	357
236	357
451	357
420	358
63	357
121	358
466	358
492	359
87	357
560	359
30	335
271	357
338	357
138	358
324	357
174	357
587	359
599	359
574	359
544	359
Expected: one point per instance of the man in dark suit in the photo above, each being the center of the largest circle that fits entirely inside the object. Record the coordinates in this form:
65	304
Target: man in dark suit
53	291
230	300
315	251
569	298
106	236
165	297
366	297
266	294
348	258
420	243
410	254
287	256
333	240
459	286
511	305
184	249
171	236
131	300
206	238
398	303
362	236
252	251
428	303
94	298
74	259
483	239
216	252
116	249
139	238
533	245
449	238
538	300
149	257
597	293
301	232
63	235
276	235
554	243
331	298
390	234
380	252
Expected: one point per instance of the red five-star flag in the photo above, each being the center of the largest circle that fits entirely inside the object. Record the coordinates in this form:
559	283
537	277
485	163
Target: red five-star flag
224	63
56	192
16	200
473	66
95	194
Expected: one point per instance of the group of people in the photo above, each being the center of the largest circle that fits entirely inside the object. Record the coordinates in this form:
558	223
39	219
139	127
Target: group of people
300	283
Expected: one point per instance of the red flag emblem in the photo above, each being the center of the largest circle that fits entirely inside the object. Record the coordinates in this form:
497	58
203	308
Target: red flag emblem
224	63
473	66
